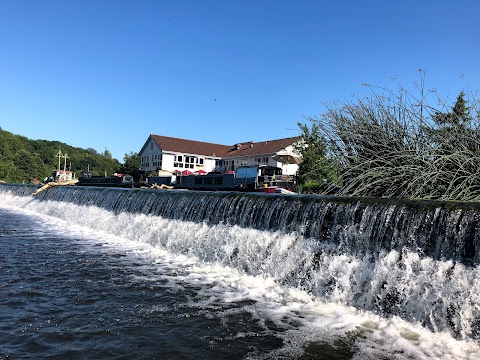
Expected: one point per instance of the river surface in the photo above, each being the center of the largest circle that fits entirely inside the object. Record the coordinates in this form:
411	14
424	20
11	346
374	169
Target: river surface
84	283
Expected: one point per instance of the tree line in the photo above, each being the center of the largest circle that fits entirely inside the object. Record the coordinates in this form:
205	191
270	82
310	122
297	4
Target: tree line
394	144
26	160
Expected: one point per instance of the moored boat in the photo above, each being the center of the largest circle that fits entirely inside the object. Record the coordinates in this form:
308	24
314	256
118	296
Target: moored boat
59	177
117	180
254	178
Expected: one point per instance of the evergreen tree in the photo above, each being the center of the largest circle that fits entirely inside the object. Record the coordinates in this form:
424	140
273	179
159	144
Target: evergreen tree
459	116
452	128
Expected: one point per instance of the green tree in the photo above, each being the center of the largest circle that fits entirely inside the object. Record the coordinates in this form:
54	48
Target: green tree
453	128
107	154
131	165
459	116
316	172
22	159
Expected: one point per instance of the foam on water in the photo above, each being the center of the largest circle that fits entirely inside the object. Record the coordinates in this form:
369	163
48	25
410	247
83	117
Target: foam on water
314	294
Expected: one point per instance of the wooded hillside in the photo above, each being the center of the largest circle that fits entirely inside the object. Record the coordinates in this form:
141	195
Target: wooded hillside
24	160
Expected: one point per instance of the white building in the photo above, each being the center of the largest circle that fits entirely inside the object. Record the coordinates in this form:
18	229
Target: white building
276	153
173	154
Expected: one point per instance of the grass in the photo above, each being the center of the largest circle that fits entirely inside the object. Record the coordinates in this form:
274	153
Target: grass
389	145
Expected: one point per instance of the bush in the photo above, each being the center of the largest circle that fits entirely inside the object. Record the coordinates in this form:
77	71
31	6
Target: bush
395	145
311	187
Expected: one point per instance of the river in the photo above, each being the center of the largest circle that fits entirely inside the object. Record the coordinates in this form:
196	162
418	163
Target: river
84	282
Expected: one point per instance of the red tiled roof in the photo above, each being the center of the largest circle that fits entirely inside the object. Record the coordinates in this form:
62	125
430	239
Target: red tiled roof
166	143
269	147
250	148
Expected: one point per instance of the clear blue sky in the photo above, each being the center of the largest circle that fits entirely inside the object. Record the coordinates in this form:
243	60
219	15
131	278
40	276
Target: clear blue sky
107	73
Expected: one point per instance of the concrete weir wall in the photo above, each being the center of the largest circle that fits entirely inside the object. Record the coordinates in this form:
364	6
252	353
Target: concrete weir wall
436	229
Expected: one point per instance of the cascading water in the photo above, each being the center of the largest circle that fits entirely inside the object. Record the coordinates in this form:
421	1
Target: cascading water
437	230
413	259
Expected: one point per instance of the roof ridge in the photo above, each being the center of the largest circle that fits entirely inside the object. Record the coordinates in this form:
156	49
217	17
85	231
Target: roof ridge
260	141
182	139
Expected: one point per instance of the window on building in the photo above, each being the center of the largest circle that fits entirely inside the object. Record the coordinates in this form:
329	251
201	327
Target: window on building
151	146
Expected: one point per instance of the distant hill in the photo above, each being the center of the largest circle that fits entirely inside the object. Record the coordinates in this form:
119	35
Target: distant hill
24	160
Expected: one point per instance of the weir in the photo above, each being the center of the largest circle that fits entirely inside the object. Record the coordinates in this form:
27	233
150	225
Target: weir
436	229
414	259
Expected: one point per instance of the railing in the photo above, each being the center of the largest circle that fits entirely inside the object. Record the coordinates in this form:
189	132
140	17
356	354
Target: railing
286	181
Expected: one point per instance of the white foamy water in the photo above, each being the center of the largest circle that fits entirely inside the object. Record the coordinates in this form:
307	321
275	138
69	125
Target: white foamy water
313	294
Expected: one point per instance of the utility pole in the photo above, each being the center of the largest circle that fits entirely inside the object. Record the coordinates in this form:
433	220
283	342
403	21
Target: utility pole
59	155
65	157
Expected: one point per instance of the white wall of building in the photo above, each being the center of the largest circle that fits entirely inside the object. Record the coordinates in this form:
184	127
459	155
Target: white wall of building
153	158
287	169
167	161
